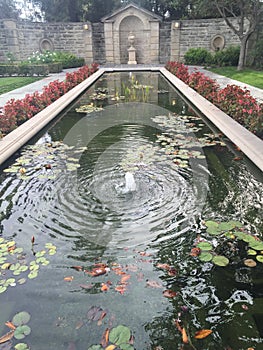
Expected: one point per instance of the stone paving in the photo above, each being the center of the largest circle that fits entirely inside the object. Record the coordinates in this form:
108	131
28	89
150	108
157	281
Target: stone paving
38	85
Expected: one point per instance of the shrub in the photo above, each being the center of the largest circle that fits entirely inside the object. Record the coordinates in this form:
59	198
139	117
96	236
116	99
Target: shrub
16	112
227	57
198	56
258	54
234	101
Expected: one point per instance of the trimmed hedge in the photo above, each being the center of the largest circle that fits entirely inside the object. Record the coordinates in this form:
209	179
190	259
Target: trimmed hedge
24	69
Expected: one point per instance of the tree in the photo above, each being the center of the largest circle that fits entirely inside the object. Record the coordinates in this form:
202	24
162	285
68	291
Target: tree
248	14
8	9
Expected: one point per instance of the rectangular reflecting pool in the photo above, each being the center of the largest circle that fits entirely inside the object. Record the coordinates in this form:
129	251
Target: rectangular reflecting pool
131	223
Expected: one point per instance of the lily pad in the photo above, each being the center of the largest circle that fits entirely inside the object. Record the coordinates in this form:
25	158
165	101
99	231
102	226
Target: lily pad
21	346
257	245
95	347
251	252
22	331
205	246
259	258
205	256
120	335
21	318
220	260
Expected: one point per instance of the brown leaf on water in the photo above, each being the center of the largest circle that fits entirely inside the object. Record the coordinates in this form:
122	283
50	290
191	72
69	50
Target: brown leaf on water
97	271
140	276
10	325
163	266
132	268
121	289
77	268
184	336
238	158
195	251
169	293
145	254
153	284
105	338
86	286
104	287
203	333
94	313
178	326
172	272
125	278
79	324
68	279
103	314
7	337
118	271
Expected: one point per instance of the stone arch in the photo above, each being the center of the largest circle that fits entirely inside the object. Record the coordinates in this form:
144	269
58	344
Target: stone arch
135	25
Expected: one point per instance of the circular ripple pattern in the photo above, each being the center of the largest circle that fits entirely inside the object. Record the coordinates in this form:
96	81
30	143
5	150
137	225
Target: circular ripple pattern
104	214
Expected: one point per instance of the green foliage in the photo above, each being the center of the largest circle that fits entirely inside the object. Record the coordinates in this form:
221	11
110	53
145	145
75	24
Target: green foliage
201	56
227	57
56	60
258	54
198	56
23	69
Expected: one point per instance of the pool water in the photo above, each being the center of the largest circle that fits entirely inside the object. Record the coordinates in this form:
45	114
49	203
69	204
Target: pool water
96	256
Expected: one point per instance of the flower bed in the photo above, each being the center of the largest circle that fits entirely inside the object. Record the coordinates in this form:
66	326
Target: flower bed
16	112
234	101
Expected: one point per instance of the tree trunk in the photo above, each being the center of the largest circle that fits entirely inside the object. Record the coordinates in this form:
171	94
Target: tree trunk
243	52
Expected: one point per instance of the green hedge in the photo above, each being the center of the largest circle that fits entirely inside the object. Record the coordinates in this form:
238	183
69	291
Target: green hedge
201	56
24	69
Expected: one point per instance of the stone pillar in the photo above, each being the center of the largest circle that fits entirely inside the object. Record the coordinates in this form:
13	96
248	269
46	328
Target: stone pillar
154	42
109	46
87	39
11	32
175	40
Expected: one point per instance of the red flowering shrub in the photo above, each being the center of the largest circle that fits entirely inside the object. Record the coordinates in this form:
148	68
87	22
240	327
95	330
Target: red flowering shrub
16	112
204	85
234	101
178	69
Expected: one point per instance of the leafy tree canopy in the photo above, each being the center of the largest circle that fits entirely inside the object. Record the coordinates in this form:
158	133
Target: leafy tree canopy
8	9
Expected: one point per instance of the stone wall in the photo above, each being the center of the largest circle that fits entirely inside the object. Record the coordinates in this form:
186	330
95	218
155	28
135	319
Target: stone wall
106	42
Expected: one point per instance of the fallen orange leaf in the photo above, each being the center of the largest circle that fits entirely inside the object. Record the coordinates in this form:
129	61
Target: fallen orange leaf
178	326
7	337
118	271
97	272
105	338
203	333
195	251
163	266
169	293
68	279
10	325
78	268
125	278
104	287
184	336
121	289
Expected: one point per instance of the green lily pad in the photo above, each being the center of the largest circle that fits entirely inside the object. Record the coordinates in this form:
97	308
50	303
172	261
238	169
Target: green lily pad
22	331
40	254
205	246
212	227
220	260
120	335
95	347
259	258
2	289
126	347
21	346
257	245
21	318
205	256
251	252
33	274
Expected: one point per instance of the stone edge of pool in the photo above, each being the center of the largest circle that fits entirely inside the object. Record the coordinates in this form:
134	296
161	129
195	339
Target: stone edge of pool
248	143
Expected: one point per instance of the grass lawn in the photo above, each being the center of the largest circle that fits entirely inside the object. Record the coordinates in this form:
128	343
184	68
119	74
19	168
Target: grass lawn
247	76
10	83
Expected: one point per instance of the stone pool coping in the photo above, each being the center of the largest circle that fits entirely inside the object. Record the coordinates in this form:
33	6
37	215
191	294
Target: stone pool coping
248	143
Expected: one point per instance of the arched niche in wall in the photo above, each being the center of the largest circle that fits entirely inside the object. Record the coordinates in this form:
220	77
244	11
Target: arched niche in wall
218	42
135	25
46	44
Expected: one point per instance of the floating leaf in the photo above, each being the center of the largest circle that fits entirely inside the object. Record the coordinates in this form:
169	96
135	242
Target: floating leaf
259	258
21	318
195	251
203	333
120	335
251	252
169	293
10	325
68	278
257	245
153	284
7	337
205	256
126	347
95	347
205	246
22	331
220	260
212	227
33	274
2	289
184	336
250	263
111	347
94	313
21	346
